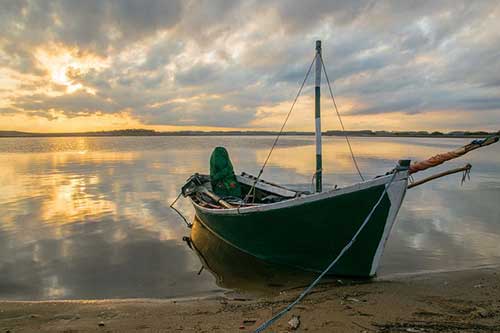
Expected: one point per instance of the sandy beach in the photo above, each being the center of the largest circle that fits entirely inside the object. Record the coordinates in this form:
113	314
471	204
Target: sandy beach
462	301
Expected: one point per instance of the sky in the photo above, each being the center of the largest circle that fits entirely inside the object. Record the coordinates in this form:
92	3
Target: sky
69	66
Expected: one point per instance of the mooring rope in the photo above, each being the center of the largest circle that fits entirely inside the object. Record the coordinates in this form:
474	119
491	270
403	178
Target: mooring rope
252	189
340	120
268	323
189	225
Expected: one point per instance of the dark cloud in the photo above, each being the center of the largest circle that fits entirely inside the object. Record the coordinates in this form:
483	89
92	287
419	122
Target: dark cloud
197	75
161	53
305	15
208	111
93	24
78	103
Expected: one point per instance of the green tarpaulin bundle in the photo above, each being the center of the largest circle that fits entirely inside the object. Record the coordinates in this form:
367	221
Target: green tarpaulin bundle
222	175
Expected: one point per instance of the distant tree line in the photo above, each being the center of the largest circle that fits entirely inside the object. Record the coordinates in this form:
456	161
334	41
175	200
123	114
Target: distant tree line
412	133
146	132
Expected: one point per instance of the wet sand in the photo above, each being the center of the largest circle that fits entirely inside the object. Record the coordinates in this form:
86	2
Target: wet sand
464	301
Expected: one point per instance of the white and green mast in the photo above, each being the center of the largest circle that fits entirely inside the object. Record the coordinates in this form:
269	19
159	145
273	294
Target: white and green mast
317	112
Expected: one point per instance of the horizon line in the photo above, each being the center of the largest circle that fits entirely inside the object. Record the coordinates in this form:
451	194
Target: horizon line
150	132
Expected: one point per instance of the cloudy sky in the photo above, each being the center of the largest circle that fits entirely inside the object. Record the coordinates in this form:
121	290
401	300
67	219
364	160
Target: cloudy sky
178	65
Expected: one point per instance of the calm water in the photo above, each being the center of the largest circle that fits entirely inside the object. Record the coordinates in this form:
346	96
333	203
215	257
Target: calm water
89	217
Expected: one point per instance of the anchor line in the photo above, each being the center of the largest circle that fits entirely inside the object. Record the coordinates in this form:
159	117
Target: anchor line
189	225
304	293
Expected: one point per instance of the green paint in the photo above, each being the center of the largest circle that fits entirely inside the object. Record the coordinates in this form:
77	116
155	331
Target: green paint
310	235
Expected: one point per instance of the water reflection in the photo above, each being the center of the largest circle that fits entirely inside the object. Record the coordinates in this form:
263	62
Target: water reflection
89	217
445	227
239	271
93	224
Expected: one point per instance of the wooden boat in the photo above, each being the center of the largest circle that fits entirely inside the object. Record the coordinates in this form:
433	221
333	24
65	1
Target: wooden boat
307	230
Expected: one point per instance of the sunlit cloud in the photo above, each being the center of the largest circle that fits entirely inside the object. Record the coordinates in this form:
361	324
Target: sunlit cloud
204	65
65	66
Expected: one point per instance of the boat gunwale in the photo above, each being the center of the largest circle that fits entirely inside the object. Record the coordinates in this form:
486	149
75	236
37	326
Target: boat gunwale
402	175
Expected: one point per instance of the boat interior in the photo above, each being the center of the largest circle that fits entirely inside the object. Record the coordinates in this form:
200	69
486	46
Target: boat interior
199	189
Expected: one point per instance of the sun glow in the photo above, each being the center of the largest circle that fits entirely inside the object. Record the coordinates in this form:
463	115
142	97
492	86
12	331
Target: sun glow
65	66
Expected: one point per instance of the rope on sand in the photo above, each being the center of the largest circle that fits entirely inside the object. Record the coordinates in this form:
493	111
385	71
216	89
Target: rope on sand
269	322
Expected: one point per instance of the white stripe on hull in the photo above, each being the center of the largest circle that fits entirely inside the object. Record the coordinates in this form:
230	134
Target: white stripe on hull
396	193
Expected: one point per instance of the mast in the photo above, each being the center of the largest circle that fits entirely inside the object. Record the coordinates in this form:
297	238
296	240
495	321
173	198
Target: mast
317	112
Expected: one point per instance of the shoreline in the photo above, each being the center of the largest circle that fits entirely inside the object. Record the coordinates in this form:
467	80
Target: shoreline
353	133
242	134
452	301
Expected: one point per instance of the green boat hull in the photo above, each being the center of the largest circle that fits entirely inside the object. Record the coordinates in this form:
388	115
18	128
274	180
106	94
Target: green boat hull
310	234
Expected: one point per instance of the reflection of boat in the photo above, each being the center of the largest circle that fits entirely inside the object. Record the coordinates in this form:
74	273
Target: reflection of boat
307	230
240	271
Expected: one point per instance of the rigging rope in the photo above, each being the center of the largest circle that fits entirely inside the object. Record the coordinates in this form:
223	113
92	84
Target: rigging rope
277	316
252	189
251	192
340	119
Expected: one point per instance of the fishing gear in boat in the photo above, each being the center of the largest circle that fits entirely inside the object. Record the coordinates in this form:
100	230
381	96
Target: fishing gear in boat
222	175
